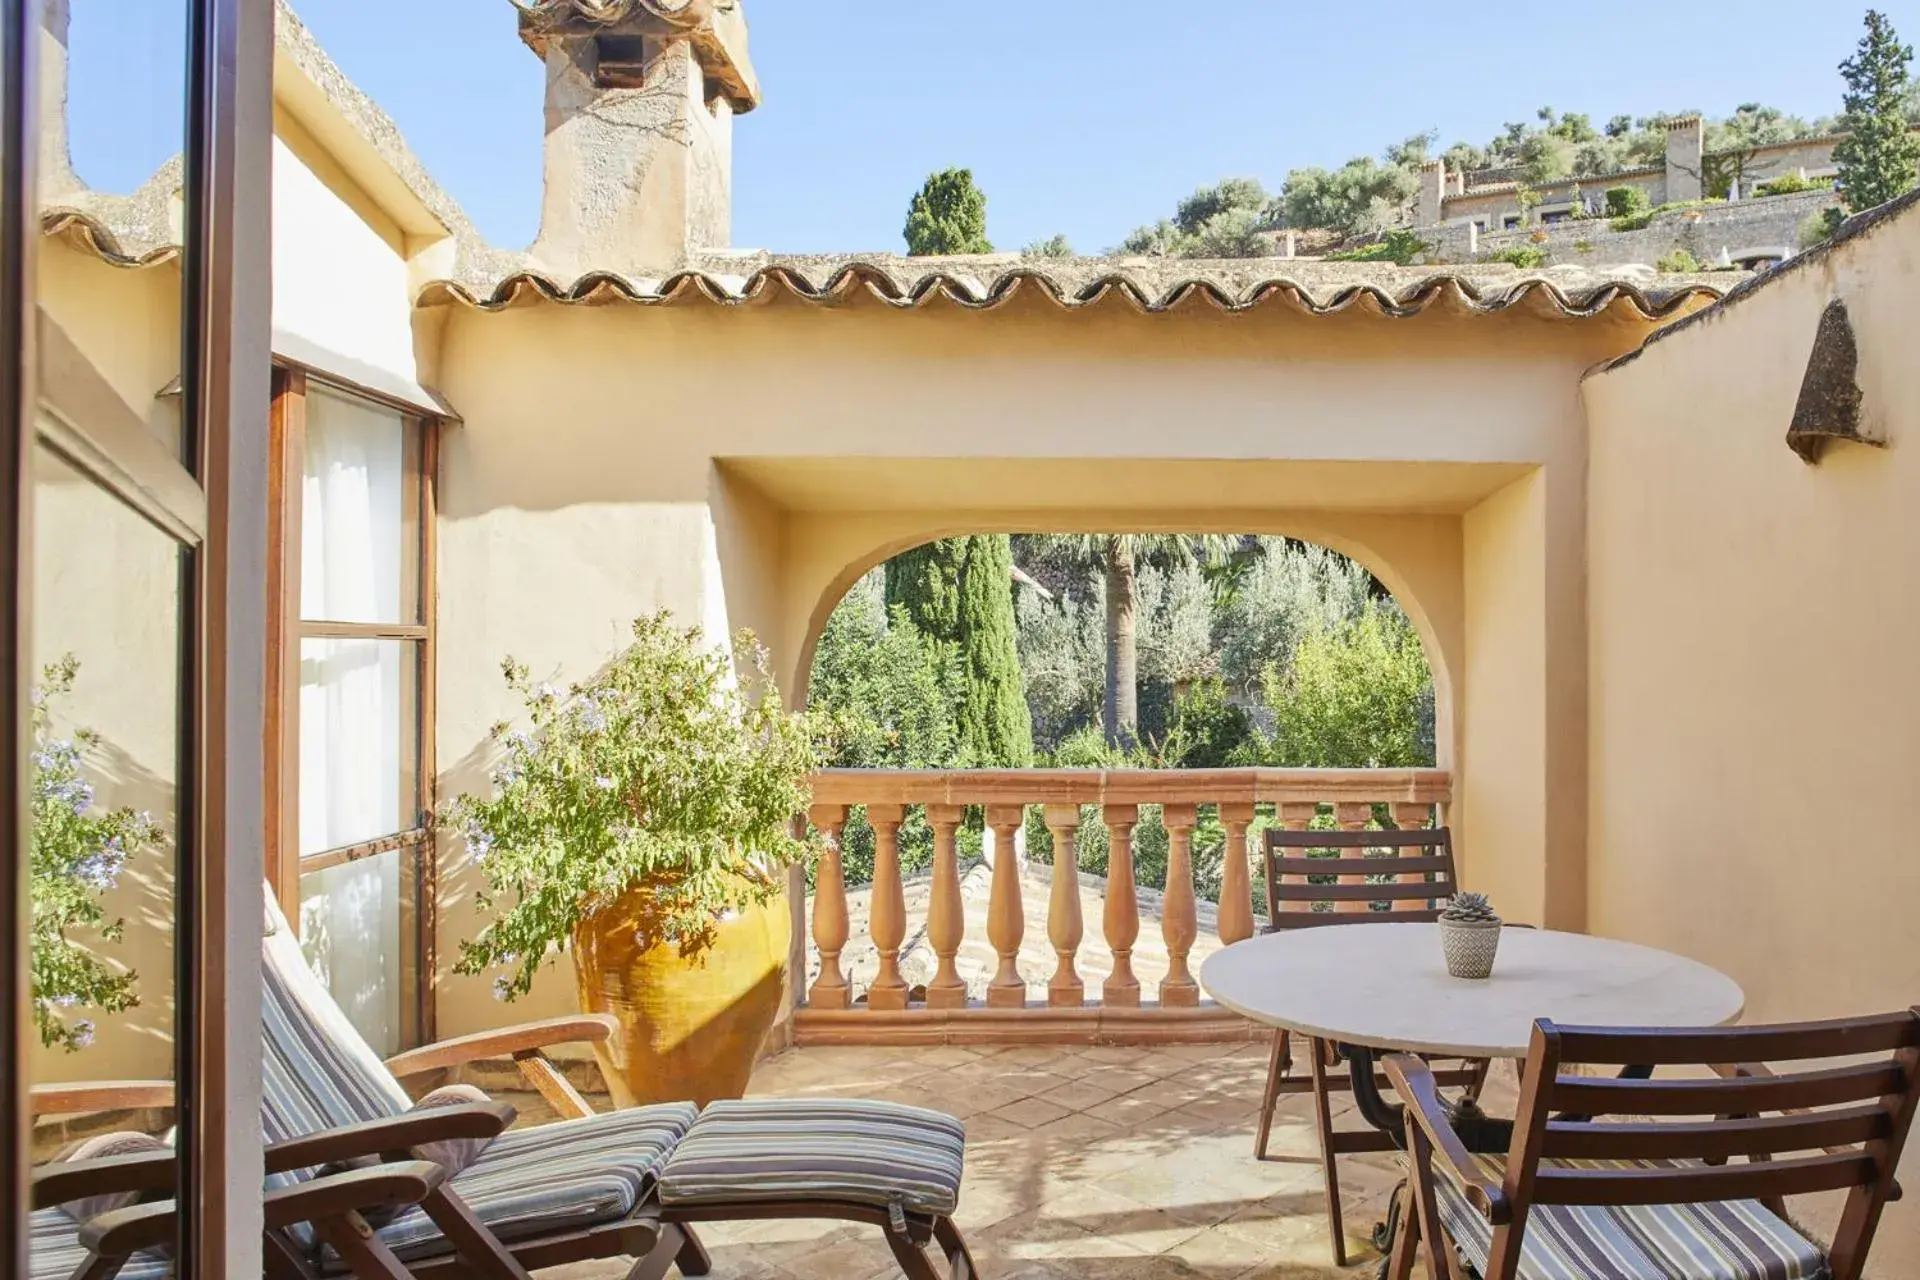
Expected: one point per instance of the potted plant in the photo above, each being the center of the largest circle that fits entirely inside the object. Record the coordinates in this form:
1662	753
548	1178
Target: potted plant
1469	935
76	856
644	820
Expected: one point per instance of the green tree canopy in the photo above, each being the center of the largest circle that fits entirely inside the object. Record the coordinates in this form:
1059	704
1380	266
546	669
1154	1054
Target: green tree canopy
1057	246
958	592
1362	196
1221	221
1879	156
1358	695
925	583
948	215
995	730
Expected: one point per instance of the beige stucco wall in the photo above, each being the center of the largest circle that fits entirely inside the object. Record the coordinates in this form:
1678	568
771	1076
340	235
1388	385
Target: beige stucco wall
340	275
106	591
1753	677
742	466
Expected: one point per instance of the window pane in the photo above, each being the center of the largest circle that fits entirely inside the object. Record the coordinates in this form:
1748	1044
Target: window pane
356	929
359	741
359	536
105	770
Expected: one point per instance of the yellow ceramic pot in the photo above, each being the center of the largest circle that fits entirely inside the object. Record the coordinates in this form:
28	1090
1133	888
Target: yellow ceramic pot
690	1029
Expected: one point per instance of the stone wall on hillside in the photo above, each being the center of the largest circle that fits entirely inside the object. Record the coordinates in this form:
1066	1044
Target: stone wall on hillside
1744	229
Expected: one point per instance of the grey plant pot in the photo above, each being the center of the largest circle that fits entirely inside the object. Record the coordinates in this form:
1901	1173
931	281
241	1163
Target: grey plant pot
1470	947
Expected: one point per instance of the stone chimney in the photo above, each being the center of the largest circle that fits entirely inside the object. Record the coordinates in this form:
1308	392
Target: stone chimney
57	177
1433	192
1686	159
641	96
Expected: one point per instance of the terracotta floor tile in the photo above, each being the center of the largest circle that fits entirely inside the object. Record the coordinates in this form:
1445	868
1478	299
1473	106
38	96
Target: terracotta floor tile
1078	1095
1031	1112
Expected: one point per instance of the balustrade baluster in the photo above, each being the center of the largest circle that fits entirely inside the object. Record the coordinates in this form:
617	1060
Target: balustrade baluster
831	989
888	912
1178	924
1411	817
1352	816
1120	916
1236	891
1064	925
1296	816
1006	914
946	916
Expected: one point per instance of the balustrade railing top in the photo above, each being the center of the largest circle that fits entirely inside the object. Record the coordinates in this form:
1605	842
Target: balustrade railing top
1414	798
1129	786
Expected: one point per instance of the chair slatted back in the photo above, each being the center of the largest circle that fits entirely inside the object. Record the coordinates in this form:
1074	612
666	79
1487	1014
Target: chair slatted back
1421	879
1764	1112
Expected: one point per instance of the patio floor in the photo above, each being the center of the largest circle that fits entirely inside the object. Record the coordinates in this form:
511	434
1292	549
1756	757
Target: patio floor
1111	1163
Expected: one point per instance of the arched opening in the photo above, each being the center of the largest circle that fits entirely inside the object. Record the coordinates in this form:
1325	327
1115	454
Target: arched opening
1248	650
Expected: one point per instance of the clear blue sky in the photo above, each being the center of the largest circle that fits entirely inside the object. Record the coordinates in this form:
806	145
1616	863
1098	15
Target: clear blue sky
1086	117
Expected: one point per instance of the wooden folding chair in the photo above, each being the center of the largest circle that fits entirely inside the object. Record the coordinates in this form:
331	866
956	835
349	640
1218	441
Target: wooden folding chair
1669	1177
1421	880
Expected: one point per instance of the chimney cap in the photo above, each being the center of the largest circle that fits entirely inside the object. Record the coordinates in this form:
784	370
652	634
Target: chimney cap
716	28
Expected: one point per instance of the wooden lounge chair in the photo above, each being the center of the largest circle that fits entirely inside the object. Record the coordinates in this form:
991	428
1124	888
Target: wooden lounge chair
621	1184
1421	881
130	1241
1691	1183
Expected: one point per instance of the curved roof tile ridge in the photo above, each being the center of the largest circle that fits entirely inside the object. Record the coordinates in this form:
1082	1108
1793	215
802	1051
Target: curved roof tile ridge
1153	286
686	13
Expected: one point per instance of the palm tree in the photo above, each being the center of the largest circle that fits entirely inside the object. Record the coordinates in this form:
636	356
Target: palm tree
1116	557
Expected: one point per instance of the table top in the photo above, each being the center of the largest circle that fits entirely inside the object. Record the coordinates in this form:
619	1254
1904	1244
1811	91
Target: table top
1386	986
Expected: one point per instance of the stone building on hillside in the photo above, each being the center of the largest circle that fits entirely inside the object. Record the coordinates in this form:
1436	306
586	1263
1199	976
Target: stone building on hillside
1490	199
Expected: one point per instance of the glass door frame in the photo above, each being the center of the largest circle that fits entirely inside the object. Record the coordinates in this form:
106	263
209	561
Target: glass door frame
288	626
225	306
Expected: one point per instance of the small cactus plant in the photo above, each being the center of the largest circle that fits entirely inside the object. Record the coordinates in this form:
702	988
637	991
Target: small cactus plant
1469	935
1469	908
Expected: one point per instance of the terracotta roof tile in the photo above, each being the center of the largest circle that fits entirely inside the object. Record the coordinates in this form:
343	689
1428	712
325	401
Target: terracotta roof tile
1150	285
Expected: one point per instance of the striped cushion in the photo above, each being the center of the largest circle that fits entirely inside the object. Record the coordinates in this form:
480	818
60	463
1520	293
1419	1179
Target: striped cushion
869	1153
54	1252
316	1070
320	1073
573	1173
1730	1240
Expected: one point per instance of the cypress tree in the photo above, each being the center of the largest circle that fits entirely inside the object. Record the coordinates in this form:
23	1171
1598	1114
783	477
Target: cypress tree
948	215
926	583
1879	157
996	730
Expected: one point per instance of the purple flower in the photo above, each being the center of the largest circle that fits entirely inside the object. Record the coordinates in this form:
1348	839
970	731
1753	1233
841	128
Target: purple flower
80	797
502	988
98	870
604	783
82	1033
479	843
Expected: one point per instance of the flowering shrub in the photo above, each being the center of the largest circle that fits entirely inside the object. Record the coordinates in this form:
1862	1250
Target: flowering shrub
76	856
661	771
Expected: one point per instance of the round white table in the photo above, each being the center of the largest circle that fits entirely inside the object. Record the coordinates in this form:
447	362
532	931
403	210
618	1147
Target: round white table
1386	986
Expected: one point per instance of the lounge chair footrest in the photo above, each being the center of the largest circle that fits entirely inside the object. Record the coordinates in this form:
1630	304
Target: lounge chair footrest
904	1160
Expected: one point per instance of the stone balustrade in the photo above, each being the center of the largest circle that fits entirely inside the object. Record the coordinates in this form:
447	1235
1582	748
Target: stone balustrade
1118	1006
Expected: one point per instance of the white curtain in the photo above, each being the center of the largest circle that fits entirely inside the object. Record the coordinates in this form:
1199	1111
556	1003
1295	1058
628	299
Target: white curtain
352	735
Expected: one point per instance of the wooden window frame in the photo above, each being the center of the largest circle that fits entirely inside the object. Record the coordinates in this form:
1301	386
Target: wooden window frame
287	628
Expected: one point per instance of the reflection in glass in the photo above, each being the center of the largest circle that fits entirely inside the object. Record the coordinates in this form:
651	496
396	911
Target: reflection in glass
350	929
118	68
358	728
357	532
105	770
